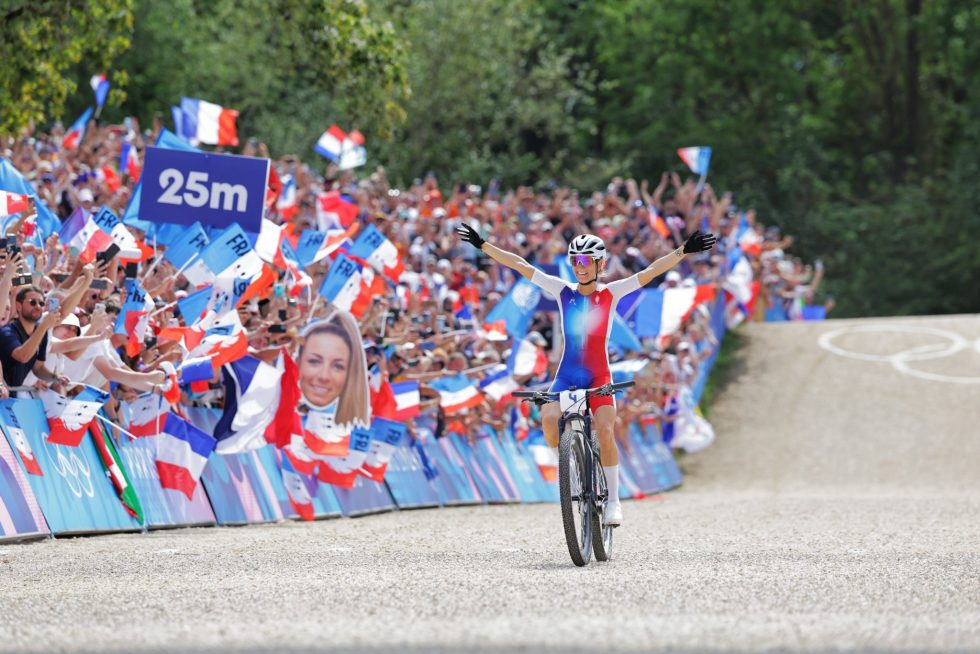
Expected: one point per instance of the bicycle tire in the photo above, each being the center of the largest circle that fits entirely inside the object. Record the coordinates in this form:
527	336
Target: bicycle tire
571	471
602	536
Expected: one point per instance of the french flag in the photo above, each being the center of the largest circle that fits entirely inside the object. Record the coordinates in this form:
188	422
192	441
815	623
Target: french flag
217	340
386	435
346	150
348	286
383	403
299	495
107	176
11	203
134	317
334	209
527	359
315	245
343	472
75	134
100	86
498	384
273	246
544	457
182	453
495	331
407	400
251	401
91	234
19	439
323	436
286	205
146	415
204	122
456	393
129	161
375	248
184	252
193	307
237	268
69	418
697	158
661	312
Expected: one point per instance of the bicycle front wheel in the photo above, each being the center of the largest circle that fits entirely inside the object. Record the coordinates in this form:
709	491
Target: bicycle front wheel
576	506
602	534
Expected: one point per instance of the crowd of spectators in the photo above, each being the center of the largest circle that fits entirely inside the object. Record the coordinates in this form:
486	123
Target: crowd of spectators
58	312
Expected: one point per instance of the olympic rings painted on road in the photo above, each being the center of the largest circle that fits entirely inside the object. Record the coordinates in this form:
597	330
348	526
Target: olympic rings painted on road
900	360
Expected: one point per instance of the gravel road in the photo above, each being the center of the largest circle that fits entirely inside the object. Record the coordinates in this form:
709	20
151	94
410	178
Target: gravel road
837	511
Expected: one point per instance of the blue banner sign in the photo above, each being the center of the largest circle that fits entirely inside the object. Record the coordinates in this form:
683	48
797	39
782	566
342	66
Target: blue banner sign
216	189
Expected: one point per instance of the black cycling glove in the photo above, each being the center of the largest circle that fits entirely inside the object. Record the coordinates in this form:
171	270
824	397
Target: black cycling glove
468	234
699	242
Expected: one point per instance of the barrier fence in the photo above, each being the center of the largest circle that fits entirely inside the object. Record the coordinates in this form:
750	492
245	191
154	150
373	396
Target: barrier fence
71	489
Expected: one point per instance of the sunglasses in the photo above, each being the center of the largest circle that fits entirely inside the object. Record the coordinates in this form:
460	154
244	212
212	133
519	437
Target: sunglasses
580	260
33	303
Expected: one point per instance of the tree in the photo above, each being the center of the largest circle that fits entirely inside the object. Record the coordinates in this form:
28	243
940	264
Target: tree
42	42
290	67
492	96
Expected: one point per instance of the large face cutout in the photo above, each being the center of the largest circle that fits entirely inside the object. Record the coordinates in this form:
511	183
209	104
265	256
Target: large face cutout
323	368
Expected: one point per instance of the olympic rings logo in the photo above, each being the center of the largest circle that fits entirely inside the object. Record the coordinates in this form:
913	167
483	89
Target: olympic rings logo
901	361
72	469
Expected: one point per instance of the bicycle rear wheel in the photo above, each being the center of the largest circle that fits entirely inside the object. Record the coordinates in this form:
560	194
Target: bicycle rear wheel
576	506
602	536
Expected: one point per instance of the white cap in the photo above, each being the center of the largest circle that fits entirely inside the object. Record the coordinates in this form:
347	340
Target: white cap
72	321
85	195
673	276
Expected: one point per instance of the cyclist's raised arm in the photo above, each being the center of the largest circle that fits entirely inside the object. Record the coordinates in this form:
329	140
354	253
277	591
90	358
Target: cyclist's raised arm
504	258
697	242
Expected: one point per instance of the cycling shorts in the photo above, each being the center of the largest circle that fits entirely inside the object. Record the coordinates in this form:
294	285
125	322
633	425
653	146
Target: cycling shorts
584	379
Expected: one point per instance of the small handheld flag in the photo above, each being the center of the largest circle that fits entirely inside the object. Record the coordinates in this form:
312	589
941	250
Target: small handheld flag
100	86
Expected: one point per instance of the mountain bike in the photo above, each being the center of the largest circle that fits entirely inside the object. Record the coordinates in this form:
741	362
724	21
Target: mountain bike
581	480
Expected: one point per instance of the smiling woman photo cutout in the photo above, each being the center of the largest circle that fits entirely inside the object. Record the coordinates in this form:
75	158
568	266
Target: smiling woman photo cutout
333	370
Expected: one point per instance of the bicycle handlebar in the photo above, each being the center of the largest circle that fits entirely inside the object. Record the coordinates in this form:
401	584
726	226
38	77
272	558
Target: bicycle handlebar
543	397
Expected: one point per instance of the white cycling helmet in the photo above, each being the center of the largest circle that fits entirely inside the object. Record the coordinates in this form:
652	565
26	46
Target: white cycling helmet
589	245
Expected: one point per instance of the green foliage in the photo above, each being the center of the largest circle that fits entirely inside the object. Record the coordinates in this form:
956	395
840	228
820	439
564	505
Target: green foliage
492	95
290	67
40	45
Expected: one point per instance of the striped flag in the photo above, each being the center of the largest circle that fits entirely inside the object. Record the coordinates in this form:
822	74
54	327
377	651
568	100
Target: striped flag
299	495
73	137
116	472
205	122
380	253
11	203
386	435
69	418
456	393
498	384
18	438
315	245
145	415
182	453
100	86
661	312
129	161
407	400
346	150
343	471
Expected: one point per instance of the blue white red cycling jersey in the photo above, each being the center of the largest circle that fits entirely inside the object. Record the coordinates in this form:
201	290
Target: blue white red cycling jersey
586	322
